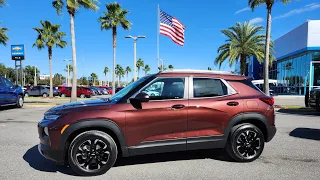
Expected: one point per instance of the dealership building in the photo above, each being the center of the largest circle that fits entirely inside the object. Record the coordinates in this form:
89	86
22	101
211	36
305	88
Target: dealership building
297	65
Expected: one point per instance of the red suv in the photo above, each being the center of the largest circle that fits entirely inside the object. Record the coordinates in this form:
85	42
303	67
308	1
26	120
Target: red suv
164	112
82	92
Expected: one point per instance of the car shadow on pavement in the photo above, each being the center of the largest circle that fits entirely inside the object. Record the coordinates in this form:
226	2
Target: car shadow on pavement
301	111
216	154
306	133
38	162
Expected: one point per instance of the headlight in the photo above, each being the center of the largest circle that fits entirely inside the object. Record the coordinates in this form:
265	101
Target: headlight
46	131
51	117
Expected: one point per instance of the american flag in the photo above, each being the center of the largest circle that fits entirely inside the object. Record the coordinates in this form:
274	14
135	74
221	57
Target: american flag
172	27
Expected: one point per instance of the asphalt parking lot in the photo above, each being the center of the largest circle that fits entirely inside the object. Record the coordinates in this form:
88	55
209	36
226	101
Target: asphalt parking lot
292	154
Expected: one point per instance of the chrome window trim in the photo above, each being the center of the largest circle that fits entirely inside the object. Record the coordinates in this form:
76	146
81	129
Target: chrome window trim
185	95
231	90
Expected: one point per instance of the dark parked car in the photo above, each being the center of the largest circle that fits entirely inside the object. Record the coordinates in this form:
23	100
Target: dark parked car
119	89
82	92
97	90
193	110
43	91
314	98
10	94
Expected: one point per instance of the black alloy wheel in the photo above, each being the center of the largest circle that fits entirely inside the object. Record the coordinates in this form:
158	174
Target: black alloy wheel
245	143
92	153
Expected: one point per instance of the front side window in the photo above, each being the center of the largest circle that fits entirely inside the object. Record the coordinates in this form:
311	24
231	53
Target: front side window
206	87
8	83
165	88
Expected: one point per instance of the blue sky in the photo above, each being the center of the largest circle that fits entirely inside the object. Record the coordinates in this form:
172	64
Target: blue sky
203	20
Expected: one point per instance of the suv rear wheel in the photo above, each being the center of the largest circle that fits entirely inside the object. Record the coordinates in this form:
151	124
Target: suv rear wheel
92	153
19	103
245	143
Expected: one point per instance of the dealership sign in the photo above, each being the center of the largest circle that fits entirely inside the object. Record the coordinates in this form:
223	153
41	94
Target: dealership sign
43	77
17	52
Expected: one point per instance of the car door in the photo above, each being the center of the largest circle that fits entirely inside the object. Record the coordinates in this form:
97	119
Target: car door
212	103
11	95
34	91
3	91
160	125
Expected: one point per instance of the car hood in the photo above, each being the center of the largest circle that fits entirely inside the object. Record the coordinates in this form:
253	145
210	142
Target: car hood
78	104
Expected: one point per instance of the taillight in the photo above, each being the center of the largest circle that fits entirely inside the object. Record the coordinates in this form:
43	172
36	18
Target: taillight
268	100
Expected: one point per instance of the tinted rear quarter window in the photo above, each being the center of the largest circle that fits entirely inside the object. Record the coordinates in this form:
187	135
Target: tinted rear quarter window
206	87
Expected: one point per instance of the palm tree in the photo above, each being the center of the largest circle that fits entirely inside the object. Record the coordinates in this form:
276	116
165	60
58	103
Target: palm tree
139	64
146	69
209	68
160	67
48	37
3	37
111	20
269	3
69	71
72	7
170	67
2	3
94	77
105	71
243	42
128	69
120	73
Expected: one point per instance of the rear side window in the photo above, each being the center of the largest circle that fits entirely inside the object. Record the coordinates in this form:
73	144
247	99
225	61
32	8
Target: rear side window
249	83
207	87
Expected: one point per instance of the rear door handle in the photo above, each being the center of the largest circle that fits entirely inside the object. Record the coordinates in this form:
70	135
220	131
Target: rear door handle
233	103
177	106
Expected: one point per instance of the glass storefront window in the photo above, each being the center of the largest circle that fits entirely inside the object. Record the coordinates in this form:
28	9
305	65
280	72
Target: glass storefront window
316	56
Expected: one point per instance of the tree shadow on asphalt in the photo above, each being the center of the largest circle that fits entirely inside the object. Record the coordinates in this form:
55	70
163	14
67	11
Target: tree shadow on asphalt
306	133
38	162
300	111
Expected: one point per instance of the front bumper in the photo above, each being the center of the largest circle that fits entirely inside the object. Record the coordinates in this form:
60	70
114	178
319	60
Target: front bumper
45	148
54	155
271	133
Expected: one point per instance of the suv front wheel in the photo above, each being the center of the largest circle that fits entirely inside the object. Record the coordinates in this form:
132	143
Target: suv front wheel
92	153
245	143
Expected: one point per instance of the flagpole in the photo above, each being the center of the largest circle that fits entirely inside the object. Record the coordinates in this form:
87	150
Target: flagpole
158	34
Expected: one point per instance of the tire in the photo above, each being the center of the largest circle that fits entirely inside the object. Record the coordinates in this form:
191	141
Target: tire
241	133
26	95
44	95
20	102
81	142
63	95
82	96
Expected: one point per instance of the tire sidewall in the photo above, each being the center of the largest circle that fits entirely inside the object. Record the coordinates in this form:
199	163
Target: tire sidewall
82	96
232	150
44	95
18	101
86	136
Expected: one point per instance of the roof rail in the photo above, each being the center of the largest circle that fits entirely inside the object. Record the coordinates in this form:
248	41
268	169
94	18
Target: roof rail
195	71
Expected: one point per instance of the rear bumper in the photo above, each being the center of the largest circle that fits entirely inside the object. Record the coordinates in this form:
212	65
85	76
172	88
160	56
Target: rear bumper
54	155
271	133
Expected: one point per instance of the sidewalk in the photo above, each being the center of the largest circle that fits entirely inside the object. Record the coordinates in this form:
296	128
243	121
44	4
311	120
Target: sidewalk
289	100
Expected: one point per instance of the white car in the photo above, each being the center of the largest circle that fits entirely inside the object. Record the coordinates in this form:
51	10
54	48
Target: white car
151	93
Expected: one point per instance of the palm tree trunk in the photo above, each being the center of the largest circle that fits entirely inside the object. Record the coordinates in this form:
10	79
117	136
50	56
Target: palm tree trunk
105	78
50	67
127	79
114	36
266	54
74	60
138	72
118	81
242	65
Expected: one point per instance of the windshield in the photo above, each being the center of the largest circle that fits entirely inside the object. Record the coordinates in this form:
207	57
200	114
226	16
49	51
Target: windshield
127	89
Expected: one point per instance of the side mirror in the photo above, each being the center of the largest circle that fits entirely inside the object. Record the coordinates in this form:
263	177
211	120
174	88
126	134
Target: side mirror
141	97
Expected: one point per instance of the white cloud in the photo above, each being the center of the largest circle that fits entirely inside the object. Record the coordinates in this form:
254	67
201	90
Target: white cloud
256	20
309	7
242	10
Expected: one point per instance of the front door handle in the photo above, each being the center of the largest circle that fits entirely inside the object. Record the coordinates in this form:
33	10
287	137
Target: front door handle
177	106
233	103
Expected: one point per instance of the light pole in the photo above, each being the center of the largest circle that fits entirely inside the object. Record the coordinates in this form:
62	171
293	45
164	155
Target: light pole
134	54
162	63
68	78
35	76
